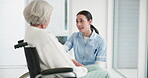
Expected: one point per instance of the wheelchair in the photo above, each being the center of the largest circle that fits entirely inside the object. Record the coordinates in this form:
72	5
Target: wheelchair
33	63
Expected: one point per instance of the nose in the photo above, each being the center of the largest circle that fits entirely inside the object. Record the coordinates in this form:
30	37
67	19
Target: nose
78	24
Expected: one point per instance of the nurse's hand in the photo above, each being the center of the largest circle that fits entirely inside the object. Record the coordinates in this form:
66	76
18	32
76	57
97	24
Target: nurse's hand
77	63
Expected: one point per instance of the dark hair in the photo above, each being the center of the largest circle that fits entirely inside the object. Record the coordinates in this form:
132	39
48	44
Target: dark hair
88	16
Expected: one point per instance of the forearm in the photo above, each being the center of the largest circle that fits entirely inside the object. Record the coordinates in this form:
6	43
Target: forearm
76	63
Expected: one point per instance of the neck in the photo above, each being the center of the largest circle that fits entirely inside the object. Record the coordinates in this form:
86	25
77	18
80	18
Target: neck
39	26
87	33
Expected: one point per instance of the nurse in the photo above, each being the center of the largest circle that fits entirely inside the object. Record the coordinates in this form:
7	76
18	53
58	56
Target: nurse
89	46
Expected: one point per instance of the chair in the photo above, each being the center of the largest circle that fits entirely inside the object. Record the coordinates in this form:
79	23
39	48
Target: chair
33	63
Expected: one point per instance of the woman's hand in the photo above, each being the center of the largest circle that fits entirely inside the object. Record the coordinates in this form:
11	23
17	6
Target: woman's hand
76	63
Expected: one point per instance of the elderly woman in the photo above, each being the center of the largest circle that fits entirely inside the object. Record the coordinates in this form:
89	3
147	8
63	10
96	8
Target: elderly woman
51	52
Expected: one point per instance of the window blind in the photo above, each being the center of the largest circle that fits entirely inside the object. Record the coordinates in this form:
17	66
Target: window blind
126	15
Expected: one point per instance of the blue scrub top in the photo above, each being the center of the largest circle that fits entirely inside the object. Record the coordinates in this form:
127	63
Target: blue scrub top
87	53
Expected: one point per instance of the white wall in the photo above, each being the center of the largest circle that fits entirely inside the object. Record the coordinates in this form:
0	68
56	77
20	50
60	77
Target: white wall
142	38
11	30
98	9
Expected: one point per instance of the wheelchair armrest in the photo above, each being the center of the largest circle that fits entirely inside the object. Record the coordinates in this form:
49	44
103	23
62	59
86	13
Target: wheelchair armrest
56	70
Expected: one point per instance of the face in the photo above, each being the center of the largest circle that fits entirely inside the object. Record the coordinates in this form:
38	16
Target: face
82	23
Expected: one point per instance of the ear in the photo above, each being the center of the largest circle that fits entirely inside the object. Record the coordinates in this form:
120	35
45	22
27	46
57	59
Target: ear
90	21
43	26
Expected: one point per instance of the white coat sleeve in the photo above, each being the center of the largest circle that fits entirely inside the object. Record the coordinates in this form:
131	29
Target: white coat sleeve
55	56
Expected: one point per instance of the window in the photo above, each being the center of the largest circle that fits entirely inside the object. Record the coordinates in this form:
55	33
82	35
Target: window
126	33
125	44
58	23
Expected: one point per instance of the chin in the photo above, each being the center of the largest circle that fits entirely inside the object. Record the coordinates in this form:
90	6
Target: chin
81	31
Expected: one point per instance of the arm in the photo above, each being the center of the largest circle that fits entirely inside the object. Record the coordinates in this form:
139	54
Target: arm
54	56
101	63
55	52
70	42
101	56
69	56
68	46
76	63
72	58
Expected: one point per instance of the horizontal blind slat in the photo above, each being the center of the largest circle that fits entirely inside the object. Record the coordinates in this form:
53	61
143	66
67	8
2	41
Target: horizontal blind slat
126	33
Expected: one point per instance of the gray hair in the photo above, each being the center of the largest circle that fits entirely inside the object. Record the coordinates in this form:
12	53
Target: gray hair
37	12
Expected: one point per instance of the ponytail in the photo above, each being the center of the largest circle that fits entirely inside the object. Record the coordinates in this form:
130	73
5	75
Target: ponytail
93	28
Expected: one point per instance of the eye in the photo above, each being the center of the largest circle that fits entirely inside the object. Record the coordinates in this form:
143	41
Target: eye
81	20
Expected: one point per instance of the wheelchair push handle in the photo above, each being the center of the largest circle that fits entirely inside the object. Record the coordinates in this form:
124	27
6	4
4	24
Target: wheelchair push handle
21	43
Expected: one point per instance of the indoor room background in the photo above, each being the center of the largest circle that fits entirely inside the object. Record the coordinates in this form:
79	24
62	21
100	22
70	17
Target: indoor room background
122	23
